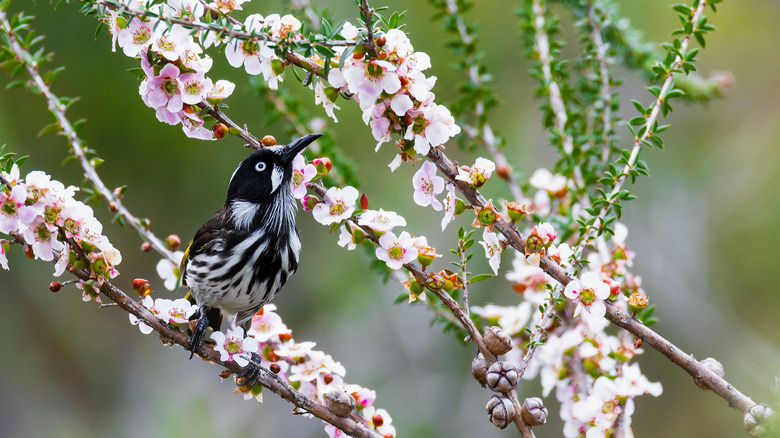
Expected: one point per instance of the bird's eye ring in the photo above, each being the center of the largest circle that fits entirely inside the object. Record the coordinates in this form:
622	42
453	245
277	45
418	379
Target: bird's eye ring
260	166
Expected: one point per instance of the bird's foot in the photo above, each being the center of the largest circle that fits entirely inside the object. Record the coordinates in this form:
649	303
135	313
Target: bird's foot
251	372
198	333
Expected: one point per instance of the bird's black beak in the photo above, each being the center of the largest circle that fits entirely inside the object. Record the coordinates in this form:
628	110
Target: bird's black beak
297	146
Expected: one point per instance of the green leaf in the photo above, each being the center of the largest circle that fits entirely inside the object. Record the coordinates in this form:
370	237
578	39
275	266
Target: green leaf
480	277
49	129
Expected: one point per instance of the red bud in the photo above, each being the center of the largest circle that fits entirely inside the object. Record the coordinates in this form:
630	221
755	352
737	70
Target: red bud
377	420
146	246
55	286
268	140
142	287
220	130
172	242
327	378
275	368
225	374
364	201
284	337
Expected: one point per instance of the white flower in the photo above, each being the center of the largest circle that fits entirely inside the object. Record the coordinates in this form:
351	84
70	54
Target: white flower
432	126
336	206
589	295
545	180
345	238
492	249
427	185
396	251
381	220
450	203
169	271
134	320
477	174
267	324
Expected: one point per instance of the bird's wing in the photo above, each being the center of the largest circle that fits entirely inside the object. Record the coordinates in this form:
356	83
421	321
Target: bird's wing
209	234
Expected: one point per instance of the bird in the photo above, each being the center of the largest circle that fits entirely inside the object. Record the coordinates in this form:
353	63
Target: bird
240	258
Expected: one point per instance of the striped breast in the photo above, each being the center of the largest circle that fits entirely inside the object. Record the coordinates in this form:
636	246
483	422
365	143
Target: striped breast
241	278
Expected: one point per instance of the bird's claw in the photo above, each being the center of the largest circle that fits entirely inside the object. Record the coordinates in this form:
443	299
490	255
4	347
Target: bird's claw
251	372
198	333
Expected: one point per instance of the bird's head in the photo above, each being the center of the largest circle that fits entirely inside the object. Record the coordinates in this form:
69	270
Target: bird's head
263	172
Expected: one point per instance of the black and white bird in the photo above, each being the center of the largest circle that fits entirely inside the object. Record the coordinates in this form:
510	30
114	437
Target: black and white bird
241	257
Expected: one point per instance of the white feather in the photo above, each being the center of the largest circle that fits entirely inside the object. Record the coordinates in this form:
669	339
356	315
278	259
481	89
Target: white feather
243	213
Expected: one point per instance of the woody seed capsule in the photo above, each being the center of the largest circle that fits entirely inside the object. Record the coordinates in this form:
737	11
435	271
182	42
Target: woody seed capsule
339	402
500	411
534	413
502	376
479	369
497	341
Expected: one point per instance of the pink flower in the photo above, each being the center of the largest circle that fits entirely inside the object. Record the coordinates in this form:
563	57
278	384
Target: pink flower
13	212
267	325
381	221
427	185
192	125
194	87
233	346
164	90
589	295
432	126
136	37
175	312
254	55
336	206
42	237
187	9
368	80
226	6
396	251
477	174
303	172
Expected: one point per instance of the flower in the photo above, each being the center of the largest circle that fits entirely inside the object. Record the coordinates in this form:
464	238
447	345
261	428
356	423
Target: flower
427	185
381	220
3	257
369	80
589	294
432	126
233	345
267	324
302	173
134	320
225	6
450	203
13	212
346	239
253	54
43	239
545	180
326	97
171	42
396	251
136	37
194	87
336	206
492	249
192	125
169	271
164	90
175	312
222	89
187	9
477	174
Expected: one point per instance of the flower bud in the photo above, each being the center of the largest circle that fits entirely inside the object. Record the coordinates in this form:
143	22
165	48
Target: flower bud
364	201
339	402
309	201
479	369
224	374
497	341
504	171
268	140
380	41
460	206
323	165
712	365
277	65
754	419
534	413
377	420
220	130
146	246
28	251
112	206
275	368
327	378
142	287
189	109
172	242
502	376
500	411
55	286
285	337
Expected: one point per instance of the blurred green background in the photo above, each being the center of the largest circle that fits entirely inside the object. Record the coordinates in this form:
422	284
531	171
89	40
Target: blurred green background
704	229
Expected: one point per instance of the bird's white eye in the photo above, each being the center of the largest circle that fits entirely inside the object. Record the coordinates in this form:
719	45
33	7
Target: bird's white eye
260	166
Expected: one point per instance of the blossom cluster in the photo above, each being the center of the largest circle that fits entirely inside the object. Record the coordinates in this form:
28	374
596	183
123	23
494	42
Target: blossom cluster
311	372
43	214
173	59
393	92
612	380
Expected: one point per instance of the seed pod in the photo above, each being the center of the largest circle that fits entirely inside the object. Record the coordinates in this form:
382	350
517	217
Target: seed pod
755	418
339	402
497	341
500	411
534	413
479	369
502	376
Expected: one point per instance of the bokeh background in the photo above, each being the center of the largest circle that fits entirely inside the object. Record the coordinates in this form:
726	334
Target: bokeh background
705	229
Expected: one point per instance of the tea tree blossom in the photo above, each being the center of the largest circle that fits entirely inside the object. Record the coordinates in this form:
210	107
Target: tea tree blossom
553	184
427	185
233	345
169	271
450	204
381	221
588	294
136	37
396	251
337	205
492	249
477	174
303	172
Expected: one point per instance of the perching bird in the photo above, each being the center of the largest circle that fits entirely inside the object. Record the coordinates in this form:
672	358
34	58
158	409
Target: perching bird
241	257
